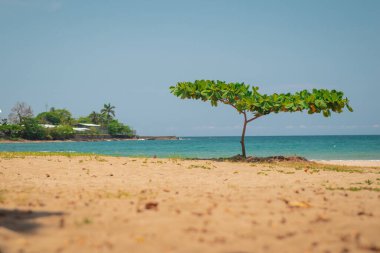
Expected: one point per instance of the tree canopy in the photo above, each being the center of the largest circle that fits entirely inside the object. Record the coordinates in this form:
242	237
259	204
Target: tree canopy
108	112
55	117
95	117
115	128
247	100
20	111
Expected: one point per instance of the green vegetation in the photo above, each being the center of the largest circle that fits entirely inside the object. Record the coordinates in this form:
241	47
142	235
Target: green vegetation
100	159
285	172
11	131
62	132
58	124
115	128
10	155
335	168
87	221
108	113
247	100
308	166
55	117
354	189
95	118
205	167
120	194
32	130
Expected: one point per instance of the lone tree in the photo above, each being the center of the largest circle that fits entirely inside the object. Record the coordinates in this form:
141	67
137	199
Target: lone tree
253	105
20	111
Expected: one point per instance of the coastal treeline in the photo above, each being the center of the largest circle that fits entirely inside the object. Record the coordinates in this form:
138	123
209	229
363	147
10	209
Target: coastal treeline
59	124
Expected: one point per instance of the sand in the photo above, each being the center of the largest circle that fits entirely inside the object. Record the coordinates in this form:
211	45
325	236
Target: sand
366	163
109	204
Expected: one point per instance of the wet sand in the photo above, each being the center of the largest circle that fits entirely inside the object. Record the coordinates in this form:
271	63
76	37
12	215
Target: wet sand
109	204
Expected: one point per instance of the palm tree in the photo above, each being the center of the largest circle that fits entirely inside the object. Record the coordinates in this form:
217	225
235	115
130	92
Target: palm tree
95	117
108	112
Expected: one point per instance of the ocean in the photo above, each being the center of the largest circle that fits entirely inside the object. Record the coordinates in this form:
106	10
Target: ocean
354	147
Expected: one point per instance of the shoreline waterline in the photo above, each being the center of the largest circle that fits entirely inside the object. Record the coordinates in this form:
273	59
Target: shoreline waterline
365	147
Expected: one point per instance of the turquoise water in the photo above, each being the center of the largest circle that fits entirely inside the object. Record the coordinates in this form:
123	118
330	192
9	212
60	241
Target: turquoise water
359	147
363	147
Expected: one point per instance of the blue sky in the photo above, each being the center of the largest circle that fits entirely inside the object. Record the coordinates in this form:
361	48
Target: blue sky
81	54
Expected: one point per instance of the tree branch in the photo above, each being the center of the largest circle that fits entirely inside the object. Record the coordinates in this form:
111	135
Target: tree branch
225	101
245	117
254	118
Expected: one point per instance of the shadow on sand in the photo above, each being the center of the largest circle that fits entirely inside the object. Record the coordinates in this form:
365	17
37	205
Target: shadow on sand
22	221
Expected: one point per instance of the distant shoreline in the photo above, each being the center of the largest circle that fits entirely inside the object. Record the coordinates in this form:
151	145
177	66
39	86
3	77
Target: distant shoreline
4	141
57	141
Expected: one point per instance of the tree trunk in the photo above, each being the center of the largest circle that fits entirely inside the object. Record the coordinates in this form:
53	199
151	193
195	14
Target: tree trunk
243	137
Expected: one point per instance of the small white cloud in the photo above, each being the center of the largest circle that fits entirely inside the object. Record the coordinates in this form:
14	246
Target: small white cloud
376	126
302	126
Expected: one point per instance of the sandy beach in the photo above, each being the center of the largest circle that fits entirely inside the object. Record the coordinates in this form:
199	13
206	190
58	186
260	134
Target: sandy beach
118	204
